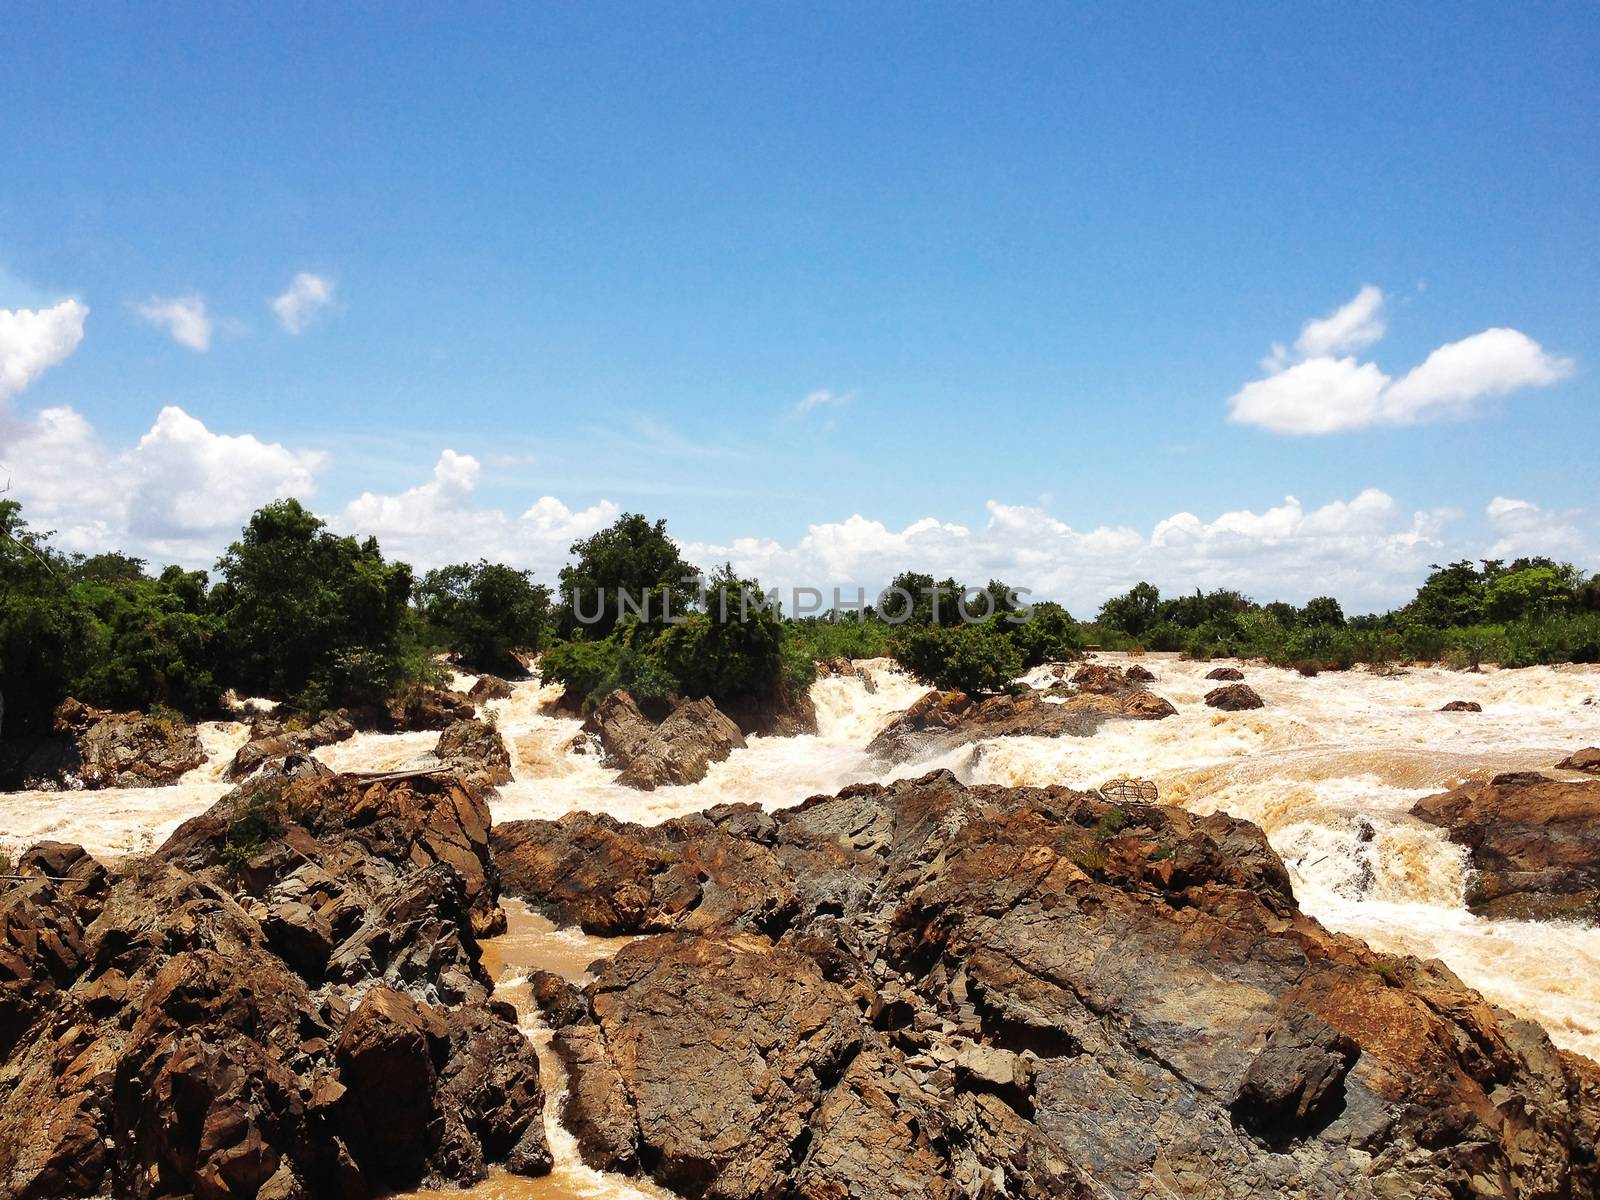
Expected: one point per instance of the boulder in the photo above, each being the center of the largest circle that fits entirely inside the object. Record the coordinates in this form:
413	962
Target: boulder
1533	841
273	741
128	749
421	707
1099	677
1462	706
941	721
938	990
1235	697
1139	674
1582	760
487	688
1225	674
679	750
477	751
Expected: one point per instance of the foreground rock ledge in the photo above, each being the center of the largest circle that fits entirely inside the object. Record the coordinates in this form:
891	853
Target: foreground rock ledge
283	1002
934	990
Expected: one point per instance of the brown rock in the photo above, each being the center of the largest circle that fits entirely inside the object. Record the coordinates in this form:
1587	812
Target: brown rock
1462	706
1534	844
1225	674
272	741
487	688
1236	697
423	707
126	749
677	751
940	721
477	751
1582	760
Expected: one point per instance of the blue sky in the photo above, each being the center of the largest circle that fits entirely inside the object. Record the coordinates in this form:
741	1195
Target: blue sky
1022	258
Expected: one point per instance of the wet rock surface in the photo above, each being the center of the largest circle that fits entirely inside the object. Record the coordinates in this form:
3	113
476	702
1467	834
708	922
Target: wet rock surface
476	751
1225	674
283	1001
1587	760
96	748
1533	842
936	990
272	741
941	721
679	749
1462	706
1235	697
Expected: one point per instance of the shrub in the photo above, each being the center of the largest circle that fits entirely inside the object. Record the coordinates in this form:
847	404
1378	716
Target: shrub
976	659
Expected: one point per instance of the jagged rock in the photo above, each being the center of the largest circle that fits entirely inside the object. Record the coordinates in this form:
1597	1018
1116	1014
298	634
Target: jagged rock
160	1035
1099	677
1236	697
1534	844
1462	706
477	751
677	751
271	741
1139	674
1031	992
559	1001
421	707
1225	674
1582	760
940	721
487	688
129	749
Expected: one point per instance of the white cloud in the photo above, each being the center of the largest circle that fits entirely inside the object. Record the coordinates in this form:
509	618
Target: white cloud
184	317
1366	550
179	494
821	398
436	523
1321	393
303	301
1490	363
1523	529
1352	326
34	340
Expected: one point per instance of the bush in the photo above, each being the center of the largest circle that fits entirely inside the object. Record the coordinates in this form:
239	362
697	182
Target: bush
976	659
485	613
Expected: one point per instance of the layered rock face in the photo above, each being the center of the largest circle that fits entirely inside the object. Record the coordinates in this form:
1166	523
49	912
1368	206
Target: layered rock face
271	741
476	751
1234	697
284	1001
1533	841
941	721
678	750
934	990
95	748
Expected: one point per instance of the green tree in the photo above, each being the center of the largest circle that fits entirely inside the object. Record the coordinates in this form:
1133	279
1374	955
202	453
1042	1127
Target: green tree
1323	610
974	658
730	650
1134	612
486	613
632	564
1048	635
307	613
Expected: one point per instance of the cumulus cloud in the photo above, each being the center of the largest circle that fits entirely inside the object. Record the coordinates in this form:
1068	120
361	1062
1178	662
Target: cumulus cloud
34	340
303	301
1366	549
1522	528
184	317
1323	388
179	494
437	522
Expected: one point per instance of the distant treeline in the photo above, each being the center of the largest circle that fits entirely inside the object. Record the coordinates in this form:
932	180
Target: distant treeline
317	620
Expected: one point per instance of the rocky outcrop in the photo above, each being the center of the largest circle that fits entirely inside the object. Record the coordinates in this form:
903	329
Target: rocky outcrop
96	748
476	751
678	750
1225	674
934	990
272	740
487	688
781	714
1139	674
1235	697
283	1001
1582	760
1533	841
1470	706
941	721
420	707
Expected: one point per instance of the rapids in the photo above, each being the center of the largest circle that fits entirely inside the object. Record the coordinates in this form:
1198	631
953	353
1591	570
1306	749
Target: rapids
1328	769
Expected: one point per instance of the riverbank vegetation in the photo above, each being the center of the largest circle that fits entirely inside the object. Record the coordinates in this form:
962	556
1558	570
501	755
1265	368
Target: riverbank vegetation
319	620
